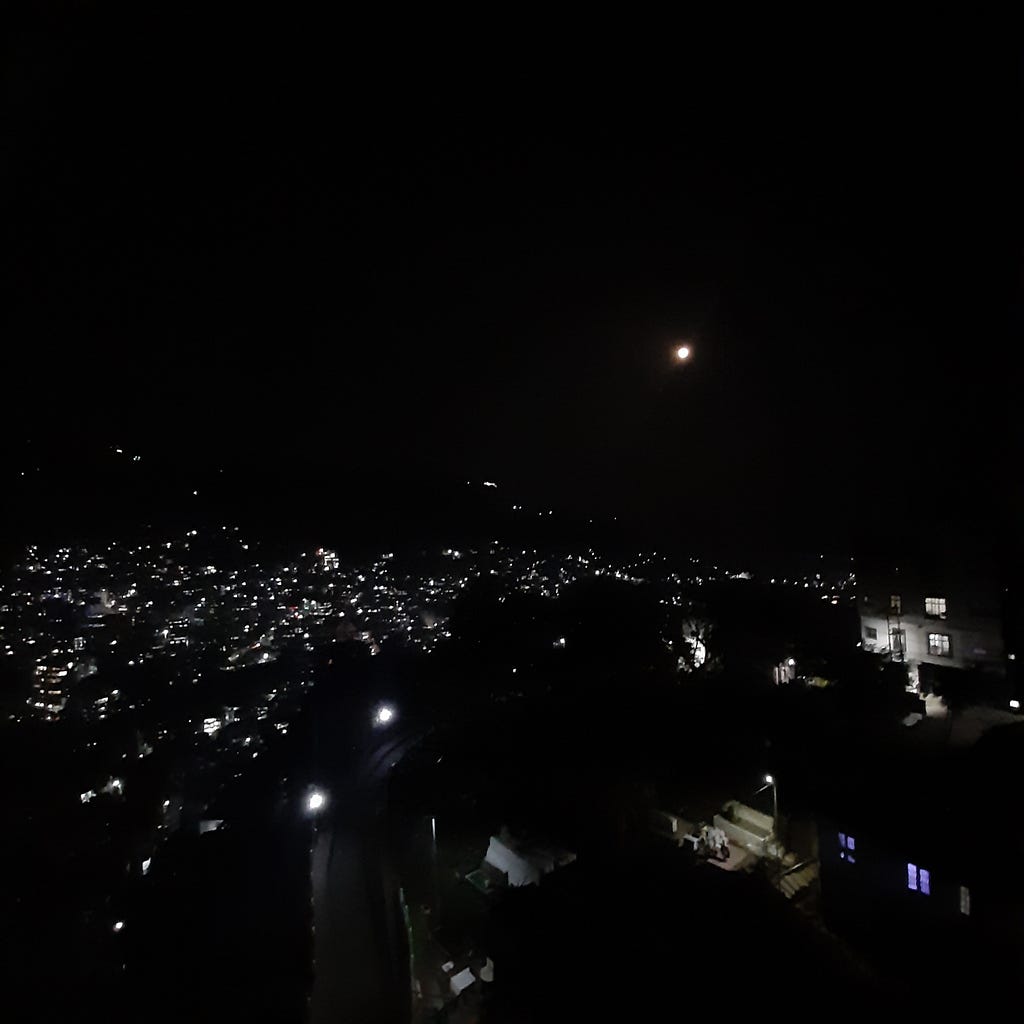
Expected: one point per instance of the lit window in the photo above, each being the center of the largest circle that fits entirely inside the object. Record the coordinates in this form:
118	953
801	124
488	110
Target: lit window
919	879
847	845
938	645
935	607
965	901
895	603
897	640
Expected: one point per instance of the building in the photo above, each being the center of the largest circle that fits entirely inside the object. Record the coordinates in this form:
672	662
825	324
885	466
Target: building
176	633
900	899
327	561
932	616
50	689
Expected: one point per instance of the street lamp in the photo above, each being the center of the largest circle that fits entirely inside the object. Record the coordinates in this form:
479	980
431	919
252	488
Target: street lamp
683	353
384	715
433	864
770	781
315	801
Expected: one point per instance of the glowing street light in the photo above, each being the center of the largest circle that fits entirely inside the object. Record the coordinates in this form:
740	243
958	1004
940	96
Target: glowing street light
384	715
118	926
683	353
315	802
769	780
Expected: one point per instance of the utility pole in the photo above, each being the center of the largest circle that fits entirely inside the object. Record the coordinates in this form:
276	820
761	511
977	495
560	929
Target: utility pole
433	849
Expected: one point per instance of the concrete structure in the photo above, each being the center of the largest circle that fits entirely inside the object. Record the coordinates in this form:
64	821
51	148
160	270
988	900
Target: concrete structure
672	826
745	827
948	616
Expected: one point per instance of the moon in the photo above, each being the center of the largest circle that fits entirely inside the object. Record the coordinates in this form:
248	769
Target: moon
683	353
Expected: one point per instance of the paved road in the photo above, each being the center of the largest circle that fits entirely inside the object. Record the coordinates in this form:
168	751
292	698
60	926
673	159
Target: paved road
359	946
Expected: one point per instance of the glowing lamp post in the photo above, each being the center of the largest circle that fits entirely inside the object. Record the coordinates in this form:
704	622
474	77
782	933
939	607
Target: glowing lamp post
384	715
769	780
683	353
315	801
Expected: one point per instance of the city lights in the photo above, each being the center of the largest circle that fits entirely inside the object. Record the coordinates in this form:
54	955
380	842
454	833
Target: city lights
726	299
152	606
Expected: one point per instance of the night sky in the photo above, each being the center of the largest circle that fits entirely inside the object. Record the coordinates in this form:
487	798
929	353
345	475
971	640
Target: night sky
333	253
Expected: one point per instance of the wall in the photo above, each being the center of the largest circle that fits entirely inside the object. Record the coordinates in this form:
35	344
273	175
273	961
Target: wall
970	646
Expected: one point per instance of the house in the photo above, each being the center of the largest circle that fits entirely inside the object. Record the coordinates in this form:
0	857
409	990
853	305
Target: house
932	612
922	903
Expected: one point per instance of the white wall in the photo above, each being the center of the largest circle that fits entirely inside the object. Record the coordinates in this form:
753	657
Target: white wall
970	646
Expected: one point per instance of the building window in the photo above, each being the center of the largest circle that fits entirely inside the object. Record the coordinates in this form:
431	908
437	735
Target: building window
896	604
935	607
870	632
965	901
847	846
919	879
938	645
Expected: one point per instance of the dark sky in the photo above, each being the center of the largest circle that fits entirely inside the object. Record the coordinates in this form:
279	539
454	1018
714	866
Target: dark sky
329	249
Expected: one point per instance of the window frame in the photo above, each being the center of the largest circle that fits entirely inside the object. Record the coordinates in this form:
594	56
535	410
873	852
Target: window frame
919	879
965	901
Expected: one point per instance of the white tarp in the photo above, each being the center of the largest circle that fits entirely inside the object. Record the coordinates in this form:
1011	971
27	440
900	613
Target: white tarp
516	867
461	981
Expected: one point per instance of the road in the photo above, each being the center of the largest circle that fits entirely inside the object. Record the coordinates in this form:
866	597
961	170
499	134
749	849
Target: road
360	954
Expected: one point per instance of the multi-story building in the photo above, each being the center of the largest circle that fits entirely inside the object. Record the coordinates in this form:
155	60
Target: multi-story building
327	561
176	634
932	617
50	689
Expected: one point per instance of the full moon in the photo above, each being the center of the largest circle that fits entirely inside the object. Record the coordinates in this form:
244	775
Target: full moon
683	353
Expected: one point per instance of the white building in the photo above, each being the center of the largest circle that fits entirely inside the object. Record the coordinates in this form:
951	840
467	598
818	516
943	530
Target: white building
948	617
